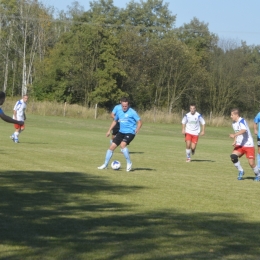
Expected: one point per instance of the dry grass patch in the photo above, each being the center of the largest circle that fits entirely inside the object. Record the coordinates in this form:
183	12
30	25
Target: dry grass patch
46	108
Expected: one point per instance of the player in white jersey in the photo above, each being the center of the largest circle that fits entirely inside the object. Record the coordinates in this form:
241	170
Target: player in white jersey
243	144
19	114
191	129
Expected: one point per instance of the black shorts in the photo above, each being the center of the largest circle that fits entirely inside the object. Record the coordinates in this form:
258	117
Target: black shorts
115	129
120	137
258	141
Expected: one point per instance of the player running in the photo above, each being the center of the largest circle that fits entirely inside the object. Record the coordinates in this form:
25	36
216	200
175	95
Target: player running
130	124
243	144
19	114
191	129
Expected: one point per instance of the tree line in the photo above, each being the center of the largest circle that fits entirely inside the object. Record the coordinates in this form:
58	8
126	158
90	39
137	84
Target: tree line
99	55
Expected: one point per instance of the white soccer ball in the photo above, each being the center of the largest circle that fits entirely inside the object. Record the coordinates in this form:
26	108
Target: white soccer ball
115	165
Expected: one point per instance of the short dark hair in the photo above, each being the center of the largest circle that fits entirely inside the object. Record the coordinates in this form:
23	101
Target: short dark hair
235	111
2	94
124	99
192	105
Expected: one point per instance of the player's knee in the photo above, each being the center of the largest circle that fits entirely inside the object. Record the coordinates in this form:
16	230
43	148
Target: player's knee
234	158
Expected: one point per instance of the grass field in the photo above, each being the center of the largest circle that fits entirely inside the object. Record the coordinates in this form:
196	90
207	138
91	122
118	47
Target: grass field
56	204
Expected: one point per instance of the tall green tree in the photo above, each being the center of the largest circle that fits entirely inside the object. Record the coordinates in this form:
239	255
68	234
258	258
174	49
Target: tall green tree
249	81
225	70
177	72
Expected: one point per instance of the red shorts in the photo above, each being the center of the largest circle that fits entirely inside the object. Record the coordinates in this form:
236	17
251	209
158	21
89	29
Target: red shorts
248	151
193	138
16	126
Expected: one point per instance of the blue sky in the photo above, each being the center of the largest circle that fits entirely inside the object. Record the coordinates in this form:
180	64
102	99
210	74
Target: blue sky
231	20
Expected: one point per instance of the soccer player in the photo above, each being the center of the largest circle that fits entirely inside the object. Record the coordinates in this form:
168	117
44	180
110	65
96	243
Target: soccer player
191	129
19	114
257	132
3	115
130	124
243	144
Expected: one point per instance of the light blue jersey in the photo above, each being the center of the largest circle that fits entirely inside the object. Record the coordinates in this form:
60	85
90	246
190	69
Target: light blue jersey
117	108
127	120
257	121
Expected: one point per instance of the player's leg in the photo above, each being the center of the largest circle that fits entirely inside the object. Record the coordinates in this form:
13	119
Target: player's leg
128	138
114	131
235	159
258	152
112	138
110	152
12	136
254	168
194	142
250	154
15	135
188	138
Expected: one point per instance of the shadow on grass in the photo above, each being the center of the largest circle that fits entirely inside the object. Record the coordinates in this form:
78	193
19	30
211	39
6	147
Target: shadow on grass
33	143
143	169
196	160
249	178
70	215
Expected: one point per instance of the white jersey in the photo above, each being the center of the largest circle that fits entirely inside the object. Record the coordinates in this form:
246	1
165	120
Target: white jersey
20	107
192	123
246	138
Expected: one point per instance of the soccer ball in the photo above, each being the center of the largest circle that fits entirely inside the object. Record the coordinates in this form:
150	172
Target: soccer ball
115	165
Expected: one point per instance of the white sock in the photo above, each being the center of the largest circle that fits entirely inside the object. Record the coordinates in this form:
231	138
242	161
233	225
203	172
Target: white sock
188	153
256	171
16	134
238	166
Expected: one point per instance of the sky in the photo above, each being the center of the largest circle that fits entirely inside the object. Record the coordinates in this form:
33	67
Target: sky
232	20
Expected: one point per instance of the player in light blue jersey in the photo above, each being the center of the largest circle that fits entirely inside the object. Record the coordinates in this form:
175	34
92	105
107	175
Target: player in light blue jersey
257	132
3	116
130	124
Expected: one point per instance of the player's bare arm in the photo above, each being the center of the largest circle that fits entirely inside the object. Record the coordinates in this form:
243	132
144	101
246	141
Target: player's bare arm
242	131
203	130
10	120
183	128
15	114
139	125
112	115
255	128
110	128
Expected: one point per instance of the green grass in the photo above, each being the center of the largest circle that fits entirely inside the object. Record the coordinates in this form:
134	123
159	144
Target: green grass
56	204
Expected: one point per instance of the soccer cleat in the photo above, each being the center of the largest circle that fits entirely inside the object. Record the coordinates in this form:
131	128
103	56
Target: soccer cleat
102	167
240	175
257	178
12	137
188	160
129	167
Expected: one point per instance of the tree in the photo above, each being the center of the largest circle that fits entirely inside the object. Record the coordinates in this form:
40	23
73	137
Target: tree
197	36
225	71
177	73
249	81
151	17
